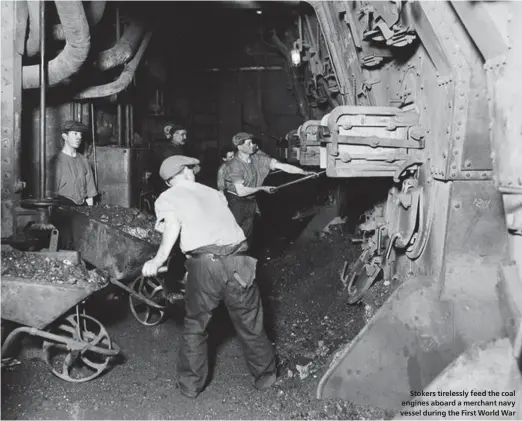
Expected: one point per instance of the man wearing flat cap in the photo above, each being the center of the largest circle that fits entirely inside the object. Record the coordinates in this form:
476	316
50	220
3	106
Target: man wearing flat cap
73	182
244	177
217	269
176	144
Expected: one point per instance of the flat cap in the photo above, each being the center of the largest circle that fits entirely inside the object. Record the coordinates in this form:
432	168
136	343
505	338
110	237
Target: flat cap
73	126
174	165
240	137
172	128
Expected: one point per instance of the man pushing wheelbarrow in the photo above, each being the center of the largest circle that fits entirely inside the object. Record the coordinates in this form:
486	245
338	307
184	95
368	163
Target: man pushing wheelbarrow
217	269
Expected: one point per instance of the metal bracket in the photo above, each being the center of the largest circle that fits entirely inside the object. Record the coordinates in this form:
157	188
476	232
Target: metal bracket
53	242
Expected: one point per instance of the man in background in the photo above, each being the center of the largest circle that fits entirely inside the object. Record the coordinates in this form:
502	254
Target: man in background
176	144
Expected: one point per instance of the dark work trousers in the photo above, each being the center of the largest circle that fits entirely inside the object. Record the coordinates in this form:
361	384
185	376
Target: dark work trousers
64	224
244	210
205	289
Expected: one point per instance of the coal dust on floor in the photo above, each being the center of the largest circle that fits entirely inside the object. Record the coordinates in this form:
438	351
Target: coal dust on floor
298	286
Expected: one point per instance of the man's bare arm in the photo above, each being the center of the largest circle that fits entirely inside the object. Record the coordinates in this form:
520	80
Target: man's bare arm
170	236
291	169
243	191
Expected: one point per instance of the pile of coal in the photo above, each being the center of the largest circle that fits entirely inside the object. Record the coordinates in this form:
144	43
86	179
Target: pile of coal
129	220
44	269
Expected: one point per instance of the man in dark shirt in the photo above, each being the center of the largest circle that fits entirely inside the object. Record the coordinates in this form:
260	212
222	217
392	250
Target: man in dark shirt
73	182
244	175
176	144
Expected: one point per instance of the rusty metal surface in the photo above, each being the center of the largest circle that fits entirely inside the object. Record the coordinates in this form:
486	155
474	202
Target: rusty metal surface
12	47
121	174
478	23
345	61
504	107
106	247
38	304
476	241
465	155
309	152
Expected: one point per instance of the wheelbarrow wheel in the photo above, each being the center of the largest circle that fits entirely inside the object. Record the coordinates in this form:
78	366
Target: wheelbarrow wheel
76	361
152	289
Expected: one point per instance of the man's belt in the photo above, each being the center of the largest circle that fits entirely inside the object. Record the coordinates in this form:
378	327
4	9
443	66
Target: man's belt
244	274
219	251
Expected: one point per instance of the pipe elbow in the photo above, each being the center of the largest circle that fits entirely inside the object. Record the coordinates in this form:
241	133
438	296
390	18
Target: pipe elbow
124	49
123	81
69	61
94	15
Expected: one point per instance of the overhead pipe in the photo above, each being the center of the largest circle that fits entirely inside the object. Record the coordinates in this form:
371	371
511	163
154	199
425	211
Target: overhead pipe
32	45
123	81
124	48
42	102
69	61
94	14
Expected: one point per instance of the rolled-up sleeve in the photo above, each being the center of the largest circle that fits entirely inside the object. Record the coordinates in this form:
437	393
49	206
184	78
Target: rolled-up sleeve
233	174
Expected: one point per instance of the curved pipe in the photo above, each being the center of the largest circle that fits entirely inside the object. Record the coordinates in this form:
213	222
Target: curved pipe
32	45
124	49
76	49
123	81
94	14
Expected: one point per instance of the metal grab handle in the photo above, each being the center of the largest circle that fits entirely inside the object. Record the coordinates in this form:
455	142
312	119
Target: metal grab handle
137	296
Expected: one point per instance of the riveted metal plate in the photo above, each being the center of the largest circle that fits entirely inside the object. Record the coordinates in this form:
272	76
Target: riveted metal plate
466	156
10	113
505	111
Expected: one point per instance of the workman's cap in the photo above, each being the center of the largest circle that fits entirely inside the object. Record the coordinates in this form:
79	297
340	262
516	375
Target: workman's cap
241	137
172	128
174	165
73	126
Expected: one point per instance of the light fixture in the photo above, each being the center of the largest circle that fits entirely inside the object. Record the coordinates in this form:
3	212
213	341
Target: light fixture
296	57
295	53
259	12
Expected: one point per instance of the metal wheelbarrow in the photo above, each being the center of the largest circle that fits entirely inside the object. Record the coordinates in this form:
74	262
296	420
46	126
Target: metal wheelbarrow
122	256
76	347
